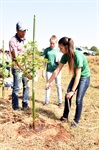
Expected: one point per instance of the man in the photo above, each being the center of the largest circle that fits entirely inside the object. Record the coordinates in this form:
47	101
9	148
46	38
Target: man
16	45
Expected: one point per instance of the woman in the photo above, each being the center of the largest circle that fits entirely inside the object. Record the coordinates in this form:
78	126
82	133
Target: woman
80	81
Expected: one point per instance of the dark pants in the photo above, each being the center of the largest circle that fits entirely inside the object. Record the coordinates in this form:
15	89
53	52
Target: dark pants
81	89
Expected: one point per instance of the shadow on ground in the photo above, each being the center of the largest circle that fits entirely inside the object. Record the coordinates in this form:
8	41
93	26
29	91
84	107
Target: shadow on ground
47	113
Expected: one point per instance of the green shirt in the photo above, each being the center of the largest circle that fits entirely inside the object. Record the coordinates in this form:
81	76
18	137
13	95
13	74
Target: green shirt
80	61
51	54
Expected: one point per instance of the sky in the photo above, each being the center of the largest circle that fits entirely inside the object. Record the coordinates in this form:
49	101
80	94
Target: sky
76	19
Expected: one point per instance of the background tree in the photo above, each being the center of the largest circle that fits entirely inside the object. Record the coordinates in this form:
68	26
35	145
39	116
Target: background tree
94	48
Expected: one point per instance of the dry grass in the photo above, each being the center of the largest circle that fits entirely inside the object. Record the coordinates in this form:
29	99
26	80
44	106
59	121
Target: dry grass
16	132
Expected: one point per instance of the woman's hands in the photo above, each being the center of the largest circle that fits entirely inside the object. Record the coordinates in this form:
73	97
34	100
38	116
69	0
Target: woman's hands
48	85
70	94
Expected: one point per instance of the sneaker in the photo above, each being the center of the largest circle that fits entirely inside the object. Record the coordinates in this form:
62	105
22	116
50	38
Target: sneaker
26	108
45	104
74	124
17	109
59	104
63	119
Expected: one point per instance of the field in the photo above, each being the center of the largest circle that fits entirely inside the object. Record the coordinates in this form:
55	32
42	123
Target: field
16	131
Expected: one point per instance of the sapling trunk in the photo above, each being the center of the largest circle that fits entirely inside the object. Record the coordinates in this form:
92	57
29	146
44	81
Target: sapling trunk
33	92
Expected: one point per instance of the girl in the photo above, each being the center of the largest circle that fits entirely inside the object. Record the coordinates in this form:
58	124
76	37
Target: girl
80	81
52	53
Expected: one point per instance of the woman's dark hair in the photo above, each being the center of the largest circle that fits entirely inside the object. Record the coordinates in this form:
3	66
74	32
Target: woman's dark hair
70	43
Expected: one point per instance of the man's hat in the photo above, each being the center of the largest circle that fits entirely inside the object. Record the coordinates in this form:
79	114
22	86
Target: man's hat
21	27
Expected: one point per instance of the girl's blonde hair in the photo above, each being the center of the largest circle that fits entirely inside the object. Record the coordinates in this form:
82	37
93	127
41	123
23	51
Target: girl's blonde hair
53	37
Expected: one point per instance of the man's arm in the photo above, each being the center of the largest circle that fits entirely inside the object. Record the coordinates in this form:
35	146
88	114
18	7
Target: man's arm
14	58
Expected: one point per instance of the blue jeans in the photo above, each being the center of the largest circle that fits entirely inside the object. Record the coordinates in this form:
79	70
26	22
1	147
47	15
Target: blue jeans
17	78
81	89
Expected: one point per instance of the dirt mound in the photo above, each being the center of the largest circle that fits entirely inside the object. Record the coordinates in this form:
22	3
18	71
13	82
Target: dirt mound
48	131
